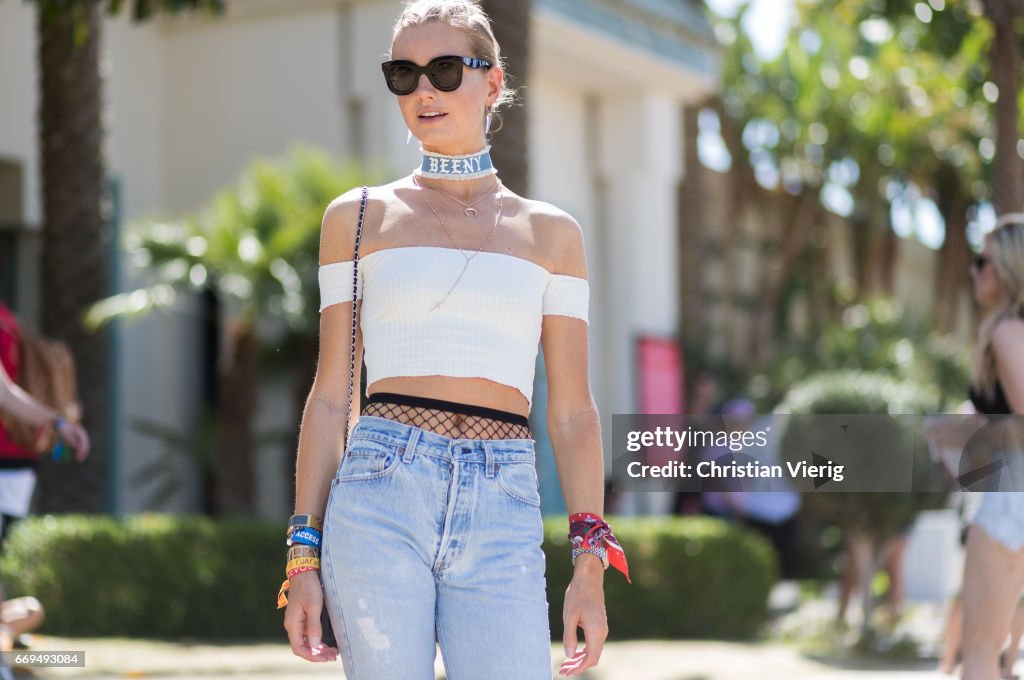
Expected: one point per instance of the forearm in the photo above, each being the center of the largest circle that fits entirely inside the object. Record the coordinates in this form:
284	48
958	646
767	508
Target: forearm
320	450
21	406
579	457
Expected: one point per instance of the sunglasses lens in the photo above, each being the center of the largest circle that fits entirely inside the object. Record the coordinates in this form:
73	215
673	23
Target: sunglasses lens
401	78
446	74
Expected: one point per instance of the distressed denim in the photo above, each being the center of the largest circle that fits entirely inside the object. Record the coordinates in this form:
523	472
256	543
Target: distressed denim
430	540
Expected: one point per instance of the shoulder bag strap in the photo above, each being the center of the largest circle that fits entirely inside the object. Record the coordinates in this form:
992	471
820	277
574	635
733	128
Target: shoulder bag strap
352	339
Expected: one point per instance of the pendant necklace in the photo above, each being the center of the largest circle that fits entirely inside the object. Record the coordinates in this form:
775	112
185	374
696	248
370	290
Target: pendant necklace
497	218
468	207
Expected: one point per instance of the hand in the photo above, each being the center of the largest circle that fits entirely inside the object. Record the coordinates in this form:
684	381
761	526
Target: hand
584	607
76	437
302	618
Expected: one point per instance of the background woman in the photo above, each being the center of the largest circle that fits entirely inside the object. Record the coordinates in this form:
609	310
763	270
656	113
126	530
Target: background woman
994	568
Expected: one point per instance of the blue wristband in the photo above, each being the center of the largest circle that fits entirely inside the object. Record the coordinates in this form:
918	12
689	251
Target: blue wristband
306	536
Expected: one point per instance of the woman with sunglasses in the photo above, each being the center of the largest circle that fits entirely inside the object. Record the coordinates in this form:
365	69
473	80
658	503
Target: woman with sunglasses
994	568
431	528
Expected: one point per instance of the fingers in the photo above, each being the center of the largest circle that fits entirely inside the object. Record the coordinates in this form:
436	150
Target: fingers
299	623
81	444
569	624
595	632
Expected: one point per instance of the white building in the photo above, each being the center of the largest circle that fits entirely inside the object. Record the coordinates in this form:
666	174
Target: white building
190	101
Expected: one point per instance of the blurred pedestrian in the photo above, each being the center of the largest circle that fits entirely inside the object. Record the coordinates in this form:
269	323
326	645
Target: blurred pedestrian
994	567
17	463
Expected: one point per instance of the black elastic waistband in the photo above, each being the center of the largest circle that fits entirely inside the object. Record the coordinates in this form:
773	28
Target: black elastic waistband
453	406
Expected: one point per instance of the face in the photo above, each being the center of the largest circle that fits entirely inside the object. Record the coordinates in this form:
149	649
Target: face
459	129
986	285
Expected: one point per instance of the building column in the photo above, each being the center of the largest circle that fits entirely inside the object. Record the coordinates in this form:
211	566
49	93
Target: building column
640	164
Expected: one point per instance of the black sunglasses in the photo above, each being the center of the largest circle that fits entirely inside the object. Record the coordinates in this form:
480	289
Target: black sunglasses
444	73
979	261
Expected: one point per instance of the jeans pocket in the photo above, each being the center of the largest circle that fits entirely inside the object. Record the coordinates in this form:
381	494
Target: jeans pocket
368	459
519	482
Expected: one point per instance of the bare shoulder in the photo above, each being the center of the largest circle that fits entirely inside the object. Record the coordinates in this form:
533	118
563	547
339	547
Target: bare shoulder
341	218
1008	338
561	236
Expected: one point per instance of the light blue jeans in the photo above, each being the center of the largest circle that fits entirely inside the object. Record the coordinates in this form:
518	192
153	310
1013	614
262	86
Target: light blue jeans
434	540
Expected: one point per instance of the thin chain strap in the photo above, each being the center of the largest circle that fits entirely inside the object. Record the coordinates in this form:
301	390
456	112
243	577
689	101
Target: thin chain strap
355	291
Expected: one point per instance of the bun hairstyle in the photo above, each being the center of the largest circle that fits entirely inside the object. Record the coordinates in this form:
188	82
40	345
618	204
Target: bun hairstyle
468	17
1006	246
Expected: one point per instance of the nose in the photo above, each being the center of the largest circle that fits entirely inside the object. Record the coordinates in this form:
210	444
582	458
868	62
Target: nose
423	85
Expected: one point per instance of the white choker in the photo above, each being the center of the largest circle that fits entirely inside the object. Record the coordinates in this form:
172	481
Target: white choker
470	166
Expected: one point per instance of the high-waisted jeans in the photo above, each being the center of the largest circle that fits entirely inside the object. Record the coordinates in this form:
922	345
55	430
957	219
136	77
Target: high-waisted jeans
430	539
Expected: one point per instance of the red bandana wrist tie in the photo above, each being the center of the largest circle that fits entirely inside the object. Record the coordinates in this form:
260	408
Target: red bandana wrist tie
588	533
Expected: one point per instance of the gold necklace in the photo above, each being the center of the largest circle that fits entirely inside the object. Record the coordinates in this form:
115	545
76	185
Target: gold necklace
497	218
468	207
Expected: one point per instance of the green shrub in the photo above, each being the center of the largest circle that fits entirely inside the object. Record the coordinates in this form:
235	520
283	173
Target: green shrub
193	577
694	577
149	575
888	444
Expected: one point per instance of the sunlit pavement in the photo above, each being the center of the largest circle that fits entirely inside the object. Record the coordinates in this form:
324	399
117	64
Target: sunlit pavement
641	660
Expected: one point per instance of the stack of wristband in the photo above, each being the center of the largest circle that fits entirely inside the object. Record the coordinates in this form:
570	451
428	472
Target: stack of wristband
305	534
589	533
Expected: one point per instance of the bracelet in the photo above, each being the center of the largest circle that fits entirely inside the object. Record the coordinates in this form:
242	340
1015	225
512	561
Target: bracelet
599	550
313	562
589	532
305	536
297	551
300	570
282	599
312	521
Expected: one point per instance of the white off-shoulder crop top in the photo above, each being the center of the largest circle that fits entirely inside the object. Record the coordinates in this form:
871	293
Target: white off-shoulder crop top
488	327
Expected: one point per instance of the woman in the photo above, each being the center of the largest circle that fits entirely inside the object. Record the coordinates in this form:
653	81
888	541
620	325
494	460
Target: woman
431	525
994	567
17	465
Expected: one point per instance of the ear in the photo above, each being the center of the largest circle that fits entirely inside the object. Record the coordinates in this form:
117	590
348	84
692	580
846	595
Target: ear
495	77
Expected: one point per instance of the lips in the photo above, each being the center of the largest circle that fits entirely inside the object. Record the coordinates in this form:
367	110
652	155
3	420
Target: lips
431	115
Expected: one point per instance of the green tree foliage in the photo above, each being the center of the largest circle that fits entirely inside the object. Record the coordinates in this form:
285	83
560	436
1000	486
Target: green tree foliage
256	247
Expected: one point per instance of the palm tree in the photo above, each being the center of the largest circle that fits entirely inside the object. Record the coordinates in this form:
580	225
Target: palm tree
256	247
1008	179
511	23
76	236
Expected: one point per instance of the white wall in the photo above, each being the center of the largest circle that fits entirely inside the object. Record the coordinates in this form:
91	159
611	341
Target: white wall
245	88
18	99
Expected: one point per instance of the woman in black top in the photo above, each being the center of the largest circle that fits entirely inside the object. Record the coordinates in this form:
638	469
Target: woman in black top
994	569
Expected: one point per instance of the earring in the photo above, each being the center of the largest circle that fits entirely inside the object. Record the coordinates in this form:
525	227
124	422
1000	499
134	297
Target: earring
487	123
408	137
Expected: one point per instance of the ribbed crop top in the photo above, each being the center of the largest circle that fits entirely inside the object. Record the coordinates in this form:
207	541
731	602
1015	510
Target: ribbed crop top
488	327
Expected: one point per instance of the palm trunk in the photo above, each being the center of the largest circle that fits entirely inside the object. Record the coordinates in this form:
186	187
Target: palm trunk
800	214
238	401
510	20
954	257
690	217
1006	64
75	237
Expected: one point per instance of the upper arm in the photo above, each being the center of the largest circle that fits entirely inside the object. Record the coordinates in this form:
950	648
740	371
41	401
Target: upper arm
1008	345
564	337
337	242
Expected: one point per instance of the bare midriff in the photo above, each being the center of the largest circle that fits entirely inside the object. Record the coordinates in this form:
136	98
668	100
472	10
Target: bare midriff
478	391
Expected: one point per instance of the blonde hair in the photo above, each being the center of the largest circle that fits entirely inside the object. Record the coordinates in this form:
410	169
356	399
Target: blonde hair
468	17
1006	245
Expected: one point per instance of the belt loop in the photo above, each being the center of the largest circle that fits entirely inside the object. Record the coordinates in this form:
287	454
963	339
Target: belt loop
489	453
410	446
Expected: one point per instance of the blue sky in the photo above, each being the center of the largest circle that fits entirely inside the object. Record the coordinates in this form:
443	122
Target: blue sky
770	17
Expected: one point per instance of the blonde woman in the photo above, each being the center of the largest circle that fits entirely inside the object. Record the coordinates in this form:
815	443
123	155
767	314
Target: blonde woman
430	530
994	568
